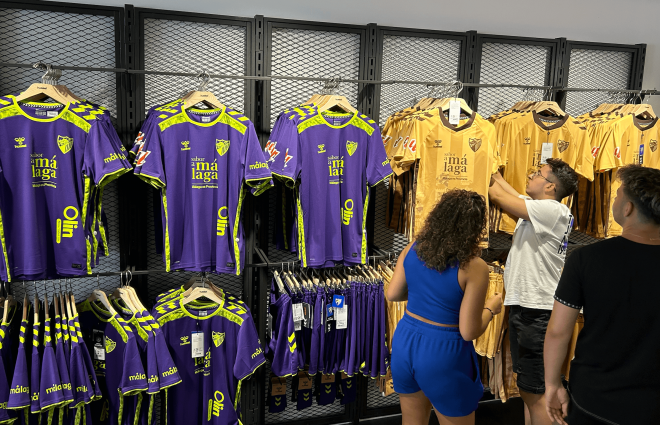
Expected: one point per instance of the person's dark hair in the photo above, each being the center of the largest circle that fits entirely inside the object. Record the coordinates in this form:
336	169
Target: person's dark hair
452	230
567	179
642	186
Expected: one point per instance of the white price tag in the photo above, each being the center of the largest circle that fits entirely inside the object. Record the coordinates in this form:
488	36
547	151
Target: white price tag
341	316
546	152
298	314
52	114
297	325
99	353
197	344
454	112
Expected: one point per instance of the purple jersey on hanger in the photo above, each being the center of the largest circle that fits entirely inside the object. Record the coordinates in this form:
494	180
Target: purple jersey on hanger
117	363
19	396
51	387
211	384
48	167
81	385
336	157
35	369
201	162
282	345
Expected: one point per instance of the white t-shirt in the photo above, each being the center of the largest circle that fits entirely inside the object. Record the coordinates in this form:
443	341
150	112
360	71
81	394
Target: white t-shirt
537	254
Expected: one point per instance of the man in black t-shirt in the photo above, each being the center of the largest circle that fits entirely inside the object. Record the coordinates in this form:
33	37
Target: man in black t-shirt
615	375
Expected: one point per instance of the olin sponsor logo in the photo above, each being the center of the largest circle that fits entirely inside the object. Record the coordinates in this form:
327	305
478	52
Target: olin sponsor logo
64	228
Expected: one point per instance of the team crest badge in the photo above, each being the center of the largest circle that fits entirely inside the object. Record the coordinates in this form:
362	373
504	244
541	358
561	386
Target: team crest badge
653	144
351	147
222	146
562	145
109	345
218	338
475	144
65	143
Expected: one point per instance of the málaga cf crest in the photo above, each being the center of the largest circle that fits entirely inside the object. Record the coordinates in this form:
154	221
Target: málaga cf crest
65	143
351	147
222	146
218	338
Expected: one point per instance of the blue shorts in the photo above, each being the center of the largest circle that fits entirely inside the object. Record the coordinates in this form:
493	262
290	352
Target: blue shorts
438	361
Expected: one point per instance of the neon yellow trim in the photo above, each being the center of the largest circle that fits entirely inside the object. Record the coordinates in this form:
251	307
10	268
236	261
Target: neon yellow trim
151	409
173	120
95	245
152	180
9	111
301	230
121	405
166	403
364	227
221	112
4	247
363	126
137	410
168	258
107	178
319	119
237	219
233	123
238	388
171	385
60	115
382	180
288	181
86	197
104	238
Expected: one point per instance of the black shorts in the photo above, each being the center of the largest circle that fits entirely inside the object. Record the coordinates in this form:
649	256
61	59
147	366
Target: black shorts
527	328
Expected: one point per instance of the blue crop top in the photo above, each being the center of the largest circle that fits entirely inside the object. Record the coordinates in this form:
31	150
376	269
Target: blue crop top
433	295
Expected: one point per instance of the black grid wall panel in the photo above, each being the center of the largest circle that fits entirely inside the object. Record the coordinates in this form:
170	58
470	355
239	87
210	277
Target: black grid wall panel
70	39
505	63
604	69
415	58
167	47
408	58
307	53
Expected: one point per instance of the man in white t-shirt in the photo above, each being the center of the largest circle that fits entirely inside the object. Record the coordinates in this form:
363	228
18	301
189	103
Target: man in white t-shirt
533	268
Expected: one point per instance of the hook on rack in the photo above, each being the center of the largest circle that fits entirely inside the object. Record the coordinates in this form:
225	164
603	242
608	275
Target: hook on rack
203	80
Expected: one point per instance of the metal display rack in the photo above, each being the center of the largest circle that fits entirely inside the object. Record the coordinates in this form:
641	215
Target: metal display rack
130	59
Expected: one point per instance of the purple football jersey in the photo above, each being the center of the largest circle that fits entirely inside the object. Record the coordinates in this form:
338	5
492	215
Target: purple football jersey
282	345
19	396
116	361
63	366
35	369
49	166
336	157
51	387
201	162
317	346
86	385
6	416
211	384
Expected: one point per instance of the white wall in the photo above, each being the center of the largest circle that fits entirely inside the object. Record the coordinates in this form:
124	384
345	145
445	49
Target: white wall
607	21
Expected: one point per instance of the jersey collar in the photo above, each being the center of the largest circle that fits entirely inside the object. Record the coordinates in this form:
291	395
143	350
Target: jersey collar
338	126
537	120
468	123
648	126
203	124
26	115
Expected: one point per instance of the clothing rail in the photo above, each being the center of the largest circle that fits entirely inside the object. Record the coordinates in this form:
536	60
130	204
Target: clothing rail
325	79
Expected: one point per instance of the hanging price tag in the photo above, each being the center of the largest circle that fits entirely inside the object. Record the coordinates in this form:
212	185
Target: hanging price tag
330	311
454	112
304	381
338	301
99	344
327	379
298	314
297	325
546	152
341	316
197	344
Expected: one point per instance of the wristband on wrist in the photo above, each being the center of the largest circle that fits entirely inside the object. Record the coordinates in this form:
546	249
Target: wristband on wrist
492	315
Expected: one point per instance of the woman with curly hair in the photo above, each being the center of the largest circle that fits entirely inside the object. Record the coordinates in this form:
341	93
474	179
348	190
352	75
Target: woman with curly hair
445	282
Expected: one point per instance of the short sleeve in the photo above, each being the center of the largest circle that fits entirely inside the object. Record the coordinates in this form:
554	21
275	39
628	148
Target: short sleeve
378	166
148	160
569	290
133	376
102	162
4	395
605	155
256	171
284	151
249	355
584	164
544	215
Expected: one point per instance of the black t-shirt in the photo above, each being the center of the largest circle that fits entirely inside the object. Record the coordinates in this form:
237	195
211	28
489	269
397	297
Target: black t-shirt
616	370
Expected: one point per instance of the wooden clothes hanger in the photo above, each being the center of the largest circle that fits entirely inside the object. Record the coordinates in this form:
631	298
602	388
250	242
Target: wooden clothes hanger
201	95
38	91
100	296
203	292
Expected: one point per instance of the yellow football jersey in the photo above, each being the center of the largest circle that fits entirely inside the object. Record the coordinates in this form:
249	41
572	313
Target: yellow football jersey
454	157
527	137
